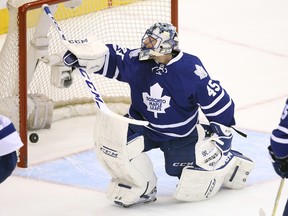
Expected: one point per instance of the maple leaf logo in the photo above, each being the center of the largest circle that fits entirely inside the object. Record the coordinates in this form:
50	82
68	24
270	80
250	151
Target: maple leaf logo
155	102
200	72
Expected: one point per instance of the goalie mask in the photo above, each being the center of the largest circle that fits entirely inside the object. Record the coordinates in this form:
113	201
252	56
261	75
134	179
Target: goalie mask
160	39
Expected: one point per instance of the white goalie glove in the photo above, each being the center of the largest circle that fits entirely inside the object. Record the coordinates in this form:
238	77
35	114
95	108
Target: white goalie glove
211	152
88	53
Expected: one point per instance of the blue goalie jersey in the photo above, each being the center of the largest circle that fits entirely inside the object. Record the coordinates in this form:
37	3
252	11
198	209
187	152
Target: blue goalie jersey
279	137
169	96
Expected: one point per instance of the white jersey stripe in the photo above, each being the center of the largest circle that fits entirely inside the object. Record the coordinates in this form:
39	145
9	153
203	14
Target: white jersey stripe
179	124
279	140
215	101
174	134
283	129
221	110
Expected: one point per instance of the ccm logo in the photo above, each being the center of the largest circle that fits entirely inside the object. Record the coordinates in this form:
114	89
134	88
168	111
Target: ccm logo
109	152
210	188
183	164
78	41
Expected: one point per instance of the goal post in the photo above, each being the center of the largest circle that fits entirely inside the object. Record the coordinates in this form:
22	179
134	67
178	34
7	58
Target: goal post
32	47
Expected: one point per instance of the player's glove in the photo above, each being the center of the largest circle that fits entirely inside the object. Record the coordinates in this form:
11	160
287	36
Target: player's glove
89	53
280	164
71	60
224	134
211	153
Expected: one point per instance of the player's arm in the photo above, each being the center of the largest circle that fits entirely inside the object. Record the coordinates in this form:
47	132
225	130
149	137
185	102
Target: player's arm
216	105
279	145
105	59
117	63
213	99
215	102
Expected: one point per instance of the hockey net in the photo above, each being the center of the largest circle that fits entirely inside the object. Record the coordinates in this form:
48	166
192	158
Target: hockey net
25	70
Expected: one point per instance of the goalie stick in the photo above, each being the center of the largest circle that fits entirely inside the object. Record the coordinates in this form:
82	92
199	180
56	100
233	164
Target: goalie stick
285	212
261	211
95	93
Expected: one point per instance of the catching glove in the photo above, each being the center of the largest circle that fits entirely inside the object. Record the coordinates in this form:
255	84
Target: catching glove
89	53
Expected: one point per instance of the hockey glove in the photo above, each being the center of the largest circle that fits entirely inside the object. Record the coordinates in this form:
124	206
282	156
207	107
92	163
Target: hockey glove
71	60
212	152
223	134
88	53
280	164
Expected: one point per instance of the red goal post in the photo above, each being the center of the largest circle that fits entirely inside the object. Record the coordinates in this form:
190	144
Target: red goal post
30	39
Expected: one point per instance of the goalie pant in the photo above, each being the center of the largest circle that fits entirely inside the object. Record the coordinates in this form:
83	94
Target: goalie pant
10	142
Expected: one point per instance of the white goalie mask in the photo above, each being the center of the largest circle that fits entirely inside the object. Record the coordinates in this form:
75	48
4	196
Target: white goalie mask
160	39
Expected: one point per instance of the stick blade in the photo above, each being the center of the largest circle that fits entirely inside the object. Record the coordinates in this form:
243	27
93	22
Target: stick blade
261	212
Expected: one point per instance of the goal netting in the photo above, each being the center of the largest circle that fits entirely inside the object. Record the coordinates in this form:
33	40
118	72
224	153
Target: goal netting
32	44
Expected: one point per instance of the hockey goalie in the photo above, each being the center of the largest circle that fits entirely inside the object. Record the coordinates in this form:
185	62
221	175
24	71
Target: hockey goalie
168	89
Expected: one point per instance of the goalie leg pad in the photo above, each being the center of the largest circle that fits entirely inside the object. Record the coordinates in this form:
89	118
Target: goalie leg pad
133	179
40	112
197	184
137	186
238	174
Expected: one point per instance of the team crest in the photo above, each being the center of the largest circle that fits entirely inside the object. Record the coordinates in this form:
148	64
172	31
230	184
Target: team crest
200	72
155	102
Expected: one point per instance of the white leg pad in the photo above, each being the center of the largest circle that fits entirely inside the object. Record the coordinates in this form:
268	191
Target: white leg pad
238	174
138	181
40	112
198	184
131	170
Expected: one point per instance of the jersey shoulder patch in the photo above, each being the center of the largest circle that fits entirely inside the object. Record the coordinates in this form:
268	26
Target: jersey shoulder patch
200	71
